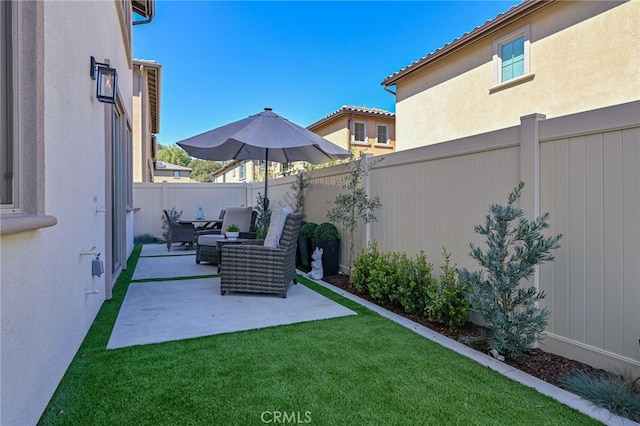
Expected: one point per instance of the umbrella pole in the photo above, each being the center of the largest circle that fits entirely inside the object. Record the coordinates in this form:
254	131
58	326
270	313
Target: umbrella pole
265	200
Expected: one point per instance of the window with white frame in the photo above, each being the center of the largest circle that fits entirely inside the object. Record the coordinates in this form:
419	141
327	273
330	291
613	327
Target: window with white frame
511	56
359	132
243	170
382	134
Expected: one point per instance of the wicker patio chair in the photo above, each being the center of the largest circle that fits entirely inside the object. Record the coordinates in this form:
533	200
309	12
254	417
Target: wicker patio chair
179	232
252	267
207	247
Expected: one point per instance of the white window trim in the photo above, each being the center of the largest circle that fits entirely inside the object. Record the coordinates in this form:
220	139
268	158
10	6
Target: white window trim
497	59
353	133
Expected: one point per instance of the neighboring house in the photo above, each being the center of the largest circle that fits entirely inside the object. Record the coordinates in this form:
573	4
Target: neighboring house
550	57
147	78
66	188
359	129
353	128
167	172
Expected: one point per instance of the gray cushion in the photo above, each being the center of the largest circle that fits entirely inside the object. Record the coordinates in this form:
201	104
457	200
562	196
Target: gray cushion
240	216
276	226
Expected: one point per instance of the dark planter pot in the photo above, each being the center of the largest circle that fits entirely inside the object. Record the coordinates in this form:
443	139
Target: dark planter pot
330	255
303	252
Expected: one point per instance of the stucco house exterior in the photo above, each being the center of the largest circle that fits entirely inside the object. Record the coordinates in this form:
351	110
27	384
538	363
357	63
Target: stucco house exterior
147	84
67	184
550	57
359	129
167	172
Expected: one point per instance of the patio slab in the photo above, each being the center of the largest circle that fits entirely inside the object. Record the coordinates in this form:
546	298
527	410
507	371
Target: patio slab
171	267
155	312
161	250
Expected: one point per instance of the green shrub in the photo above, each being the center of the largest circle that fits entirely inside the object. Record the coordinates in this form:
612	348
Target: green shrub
383	278
448	303
511	309
308	229
617	394
146	239
233	228
326	231
414	279
362	265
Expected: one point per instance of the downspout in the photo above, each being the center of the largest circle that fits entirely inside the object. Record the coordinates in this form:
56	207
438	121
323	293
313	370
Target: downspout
386	88
145	21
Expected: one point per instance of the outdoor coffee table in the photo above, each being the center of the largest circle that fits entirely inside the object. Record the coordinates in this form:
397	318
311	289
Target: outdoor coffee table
222	242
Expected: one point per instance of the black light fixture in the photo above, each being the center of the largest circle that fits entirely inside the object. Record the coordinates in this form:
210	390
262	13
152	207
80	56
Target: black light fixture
106	89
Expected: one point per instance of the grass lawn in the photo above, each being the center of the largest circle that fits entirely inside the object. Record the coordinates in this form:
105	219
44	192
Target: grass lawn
355	370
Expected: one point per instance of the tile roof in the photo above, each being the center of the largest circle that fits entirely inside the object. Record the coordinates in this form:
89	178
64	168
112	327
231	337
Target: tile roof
348	109
492	25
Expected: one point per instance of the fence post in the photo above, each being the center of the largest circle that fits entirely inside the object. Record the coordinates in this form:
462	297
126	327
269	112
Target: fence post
530	172
165	195
367	189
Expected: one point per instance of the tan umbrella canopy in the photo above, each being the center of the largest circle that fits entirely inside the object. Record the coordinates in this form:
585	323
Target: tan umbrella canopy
264	136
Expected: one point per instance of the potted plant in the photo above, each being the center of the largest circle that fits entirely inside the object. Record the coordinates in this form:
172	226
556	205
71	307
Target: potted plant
304	243
233	231
327	237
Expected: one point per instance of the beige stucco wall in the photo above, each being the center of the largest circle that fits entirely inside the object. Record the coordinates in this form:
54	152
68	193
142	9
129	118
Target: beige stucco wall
338	132
584	55
45	306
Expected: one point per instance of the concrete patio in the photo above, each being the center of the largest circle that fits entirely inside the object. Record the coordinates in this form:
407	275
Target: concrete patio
166	309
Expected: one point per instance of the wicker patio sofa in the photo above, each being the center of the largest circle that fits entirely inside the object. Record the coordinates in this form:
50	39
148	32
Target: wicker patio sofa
252	267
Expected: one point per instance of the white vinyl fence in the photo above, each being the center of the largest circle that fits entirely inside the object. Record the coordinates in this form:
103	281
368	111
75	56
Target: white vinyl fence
584	169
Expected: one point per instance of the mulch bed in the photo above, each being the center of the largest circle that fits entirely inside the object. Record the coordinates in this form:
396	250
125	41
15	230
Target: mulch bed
538	363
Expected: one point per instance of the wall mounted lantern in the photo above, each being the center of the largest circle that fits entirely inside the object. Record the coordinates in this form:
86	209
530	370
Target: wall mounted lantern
106	88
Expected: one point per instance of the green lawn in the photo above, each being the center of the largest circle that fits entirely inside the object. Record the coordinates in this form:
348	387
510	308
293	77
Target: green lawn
355	370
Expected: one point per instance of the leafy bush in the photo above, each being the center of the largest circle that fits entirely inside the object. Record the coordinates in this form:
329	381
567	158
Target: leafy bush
326	231
615	393
362	265
414	280
448	303
308	229
514	317
145	239
383	278
174	215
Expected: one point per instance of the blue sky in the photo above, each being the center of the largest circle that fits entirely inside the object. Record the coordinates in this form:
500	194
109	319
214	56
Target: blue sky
224	61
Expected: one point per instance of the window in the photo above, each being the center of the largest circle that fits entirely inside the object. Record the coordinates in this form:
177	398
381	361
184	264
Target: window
243	170
511	56
359	132
176	174
8	157
383	134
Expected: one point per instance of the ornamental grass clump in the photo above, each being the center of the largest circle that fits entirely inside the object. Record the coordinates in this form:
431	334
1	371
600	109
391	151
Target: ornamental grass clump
514	247
616	393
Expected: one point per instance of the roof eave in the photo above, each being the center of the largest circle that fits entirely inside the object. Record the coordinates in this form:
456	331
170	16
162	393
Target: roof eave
518	12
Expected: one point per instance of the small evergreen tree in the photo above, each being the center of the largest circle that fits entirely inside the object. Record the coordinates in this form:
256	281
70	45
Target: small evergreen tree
263	218
515	319
355	205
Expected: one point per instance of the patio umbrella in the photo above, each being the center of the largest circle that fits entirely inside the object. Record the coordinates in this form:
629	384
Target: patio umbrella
264	136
